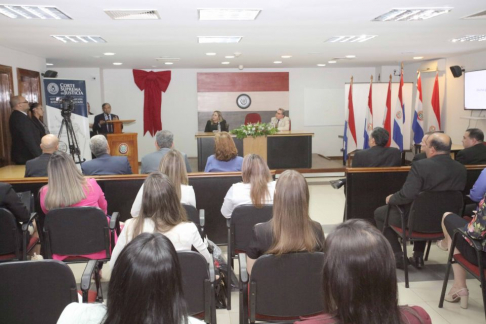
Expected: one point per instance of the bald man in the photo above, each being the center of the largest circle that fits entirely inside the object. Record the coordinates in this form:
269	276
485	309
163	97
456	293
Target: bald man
438	172
25	136
38	167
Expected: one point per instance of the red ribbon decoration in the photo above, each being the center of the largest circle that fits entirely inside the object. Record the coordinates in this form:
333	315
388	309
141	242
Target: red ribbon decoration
153	83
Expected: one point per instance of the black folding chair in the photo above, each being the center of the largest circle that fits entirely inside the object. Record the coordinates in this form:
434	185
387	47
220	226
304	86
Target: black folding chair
281	288
35	292
13	245
424	219
477	271
198	281
196	217
240	231
76	231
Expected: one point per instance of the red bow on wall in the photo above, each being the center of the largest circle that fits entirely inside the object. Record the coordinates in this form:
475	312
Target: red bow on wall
153	83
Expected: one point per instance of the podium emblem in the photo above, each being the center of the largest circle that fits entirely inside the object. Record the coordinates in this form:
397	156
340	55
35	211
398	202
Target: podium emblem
243	101
123	148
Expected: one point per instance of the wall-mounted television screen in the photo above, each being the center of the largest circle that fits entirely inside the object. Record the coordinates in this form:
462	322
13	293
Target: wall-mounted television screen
475	90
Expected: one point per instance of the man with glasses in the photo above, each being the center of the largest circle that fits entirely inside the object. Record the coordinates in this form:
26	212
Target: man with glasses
100	125
25	136
280	121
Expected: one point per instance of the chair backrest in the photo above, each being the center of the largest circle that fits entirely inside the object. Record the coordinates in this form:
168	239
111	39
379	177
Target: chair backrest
193	216
428	208
76	231
288	285
243	218
9	233
253	118
195	277
35	291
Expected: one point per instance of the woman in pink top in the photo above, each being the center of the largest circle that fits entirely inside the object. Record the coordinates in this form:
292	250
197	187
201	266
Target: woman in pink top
67	187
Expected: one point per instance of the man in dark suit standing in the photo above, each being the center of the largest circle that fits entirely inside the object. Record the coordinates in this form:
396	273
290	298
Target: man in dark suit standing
474	149
104	163
38	167
377	155
438	172
100	125
25	137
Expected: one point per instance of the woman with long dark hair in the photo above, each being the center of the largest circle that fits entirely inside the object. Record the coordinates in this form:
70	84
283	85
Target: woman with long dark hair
360	281
291	229
37	114
145	287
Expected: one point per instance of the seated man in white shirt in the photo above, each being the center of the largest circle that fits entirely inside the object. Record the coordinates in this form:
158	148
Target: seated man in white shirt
280	121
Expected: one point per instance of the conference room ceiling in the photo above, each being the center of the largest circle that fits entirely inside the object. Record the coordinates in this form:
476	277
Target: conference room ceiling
283	27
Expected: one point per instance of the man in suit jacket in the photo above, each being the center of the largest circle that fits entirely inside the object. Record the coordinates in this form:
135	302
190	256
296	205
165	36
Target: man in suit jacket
25	137
100	126
377	155
164	141
104	164
474	149
280	121
438	172
38	167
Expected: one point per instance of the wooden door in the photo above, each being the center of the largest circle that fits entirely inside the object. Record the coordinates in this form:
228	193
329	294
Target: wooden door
29	85
6	91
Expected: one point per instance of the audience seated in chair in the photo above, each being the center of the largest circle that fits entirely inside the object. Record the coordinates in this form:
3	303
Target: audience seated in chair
67	187
359	280
172	165
161	212
474	151
225	157
104	164
477	229
257	187
153	293
38	167
291	229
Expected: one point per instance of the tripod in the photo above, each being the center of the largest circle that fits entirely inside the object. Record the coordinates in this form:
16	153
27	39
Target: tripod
71	136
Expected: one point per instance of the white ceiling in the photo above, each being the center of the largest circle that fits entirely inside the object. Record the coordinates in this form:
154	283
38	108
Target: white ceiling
284	27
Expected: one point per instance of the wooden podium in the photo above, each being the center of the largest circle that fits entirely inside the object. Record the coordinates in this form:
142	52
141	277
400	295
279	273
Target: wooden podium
123	144
255	145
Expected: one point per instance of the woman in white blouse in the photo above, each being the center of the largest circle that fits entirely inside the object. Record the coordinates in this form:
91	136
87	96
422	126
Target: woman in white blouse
257	187
173	165
161	212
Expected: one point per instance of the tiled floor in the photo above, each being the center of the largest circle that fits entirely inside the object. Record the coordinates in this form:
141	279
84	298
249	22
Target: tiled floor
326	207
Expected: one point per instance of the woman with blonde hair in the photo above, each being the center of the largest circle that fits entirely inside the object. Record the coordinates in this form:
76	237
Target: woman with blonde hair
257	187
291	229
216	123
172	165
67	187
161	212
225	157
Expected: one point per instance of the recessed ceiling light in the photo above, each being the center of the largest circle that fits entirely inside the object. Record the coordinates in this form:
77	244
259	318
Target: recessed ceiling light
129	14
286	56
32	12
331	62
109	54
350	39
79	38
407	14
321	64
169	63
210	54
117	63
277	62
418	57
219	39
225	62
228	14
469	38
350	56
49	64
229	56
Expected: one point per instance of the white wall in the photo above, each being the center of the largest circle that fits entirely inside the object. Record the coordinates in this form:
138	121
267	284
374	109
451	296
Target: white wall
92	76
16	59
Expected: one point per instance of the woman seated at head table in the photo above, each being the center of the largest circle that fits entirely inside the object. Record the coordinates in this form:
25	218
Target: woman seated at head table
216	123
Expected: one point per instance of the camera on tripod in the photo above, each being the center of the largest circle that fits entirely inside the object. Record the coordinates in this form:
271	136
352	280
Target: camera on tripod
67	103
67	107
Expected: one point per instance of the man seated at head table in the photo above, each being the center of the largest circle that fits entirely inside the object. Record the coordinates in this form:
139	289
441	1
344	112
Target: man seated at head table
280	121
474	149
104	164
164	141
38	167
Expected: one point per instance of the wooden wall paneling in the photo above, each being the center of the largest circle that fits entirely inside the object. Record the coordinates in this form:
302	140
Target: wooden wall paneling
29	85
6	91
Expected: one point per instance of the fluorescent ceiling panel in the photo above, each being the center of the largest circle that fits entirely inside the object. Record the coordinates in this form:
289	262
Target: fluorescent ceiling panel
469	38
219	39
79	38
32	12
228	14
412	14
130	14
